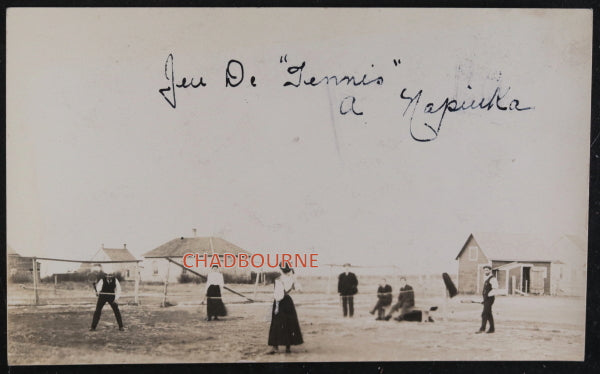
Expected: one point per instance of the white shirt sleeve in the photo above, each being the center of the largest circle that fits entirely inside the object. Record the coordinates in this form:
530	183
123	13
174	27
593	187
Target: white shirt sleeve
278	293
494	283
208	283
99	285
297	285
117	289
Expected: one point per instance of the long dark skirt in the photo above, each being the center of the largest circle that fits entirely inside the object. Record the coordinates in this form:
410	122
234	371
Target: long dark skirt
285	329
214	303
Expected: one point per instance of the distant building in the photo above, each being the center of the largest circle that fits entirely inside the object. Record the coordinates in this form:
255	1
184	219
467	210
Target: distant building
19	266
522	264
155	267
570	273
127	269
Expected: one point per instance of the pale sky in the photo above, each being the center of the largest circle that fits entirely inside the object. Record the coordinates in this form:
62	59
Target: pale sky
95	155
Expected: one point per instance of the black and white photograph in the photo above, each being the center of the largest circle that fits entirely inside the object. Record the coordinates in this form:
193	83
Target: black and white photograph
234	185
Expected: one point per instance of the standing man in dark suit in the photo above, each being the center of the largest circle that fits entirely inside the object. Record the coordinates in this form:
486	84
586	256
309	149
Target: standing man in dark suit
108	290
347	288
406	301
490	285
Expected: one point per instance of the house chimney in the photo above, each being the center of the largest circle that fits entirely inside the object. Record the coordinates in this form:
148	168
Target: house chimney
125	246
102	245
194	230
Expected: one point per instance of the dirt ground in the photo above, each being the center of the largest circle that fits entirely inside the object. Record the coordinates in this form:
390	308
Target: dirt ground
527	328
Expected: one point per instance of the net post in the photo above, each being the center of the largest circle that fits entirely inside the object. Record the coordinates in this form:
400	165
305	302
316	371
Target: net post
36	297
329	280
256	284
164	302
136	299
55	283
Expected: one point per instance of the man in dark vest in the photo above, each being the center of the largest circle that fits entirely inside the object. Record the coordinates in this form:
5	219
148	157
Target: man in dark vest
108	290
347	288
490	287
406	301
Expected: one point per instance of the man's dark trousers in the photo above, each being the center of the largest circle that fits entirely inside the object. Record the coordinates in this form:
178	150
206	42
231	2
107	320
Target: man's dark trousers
103	299
486	315
348	304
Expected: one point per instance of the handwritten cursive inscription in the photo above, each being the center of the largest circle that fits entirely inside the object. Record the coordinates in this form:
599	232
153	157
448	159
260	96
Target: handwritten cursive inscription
328	79
169	92
496	101
425	120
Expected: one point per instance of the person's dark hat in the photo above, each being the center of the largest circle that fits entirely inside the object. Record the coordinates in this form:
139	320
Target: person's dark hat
285	269
487	267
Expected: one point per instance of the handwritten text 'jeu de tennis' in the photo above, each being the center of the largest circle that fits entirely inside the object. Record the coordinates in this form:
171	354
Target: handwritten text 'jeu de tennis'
433	114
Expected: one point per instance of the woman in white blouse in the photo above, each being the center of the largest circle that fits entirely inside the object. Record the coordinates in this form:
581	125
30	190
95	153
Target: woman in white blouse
214	304
285	329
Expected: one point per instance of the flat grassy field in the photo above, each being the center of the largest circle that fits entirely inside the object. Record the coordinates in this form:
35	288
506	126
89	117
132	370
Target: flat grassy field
56	332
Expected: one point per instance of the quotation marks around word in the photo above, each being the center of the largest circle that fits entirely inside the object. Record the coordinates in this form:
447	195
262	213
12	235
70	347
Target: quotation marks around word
396	62
283	59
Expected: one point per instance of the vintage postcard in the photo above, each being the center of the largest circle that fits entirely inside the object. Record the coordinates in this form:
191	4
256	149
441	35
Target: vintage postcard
296	185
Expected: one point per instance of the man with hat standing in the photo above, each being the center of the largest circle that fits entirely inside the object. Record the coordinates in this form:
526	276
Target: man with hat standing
347	288
108	290
490	287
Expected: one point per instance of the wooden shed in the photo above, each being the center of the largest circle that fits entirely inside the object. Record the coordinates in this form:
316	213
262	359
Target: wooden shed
17	265
522	263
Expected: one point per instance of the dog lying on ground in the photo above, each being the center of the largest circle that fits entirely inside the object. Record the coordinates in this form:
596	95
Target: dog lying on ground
417	315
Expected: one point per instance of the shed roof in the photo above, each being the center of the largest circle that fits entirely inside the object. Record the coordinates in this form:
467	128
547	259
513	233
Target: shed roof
10	251
180	246
578	241
509	266
510	247
113	254
119	254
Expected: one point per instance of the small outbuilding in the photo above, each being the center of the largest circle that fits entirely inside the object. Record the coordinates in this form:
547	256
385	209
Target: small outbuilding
18	266
523	264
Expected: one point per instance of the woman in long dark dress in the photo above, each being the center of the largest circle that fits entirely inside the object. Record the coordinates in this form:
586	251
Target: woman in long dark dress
214	303
285	329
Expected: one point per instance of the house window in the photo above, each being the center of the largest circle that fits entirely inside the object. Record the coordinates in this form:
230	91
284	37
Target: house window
154	268
127	273
473	253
